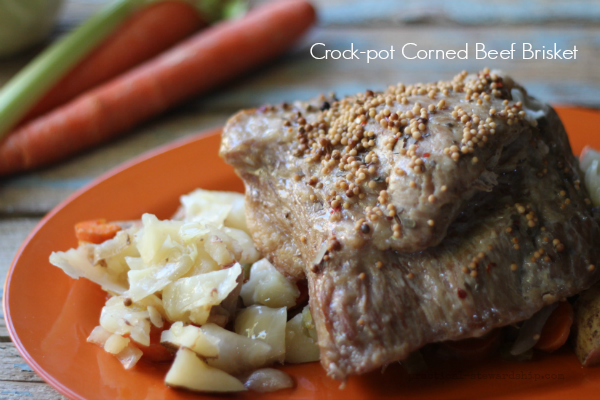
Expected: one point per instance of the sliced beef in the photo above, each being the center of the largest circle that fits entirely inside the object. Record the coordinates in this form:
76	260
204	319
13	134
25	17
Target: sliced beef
420	214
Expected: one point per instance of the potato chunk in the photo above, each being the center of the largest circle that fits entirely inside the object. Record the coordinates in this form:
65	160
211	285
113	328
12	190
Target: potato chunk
587	327
300	340
190	372
266	324
236	353
268	287
189	336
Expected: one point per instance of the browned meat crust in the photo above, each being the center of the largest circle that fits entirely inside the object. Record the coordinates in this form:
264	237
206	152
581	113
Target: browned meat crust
420	214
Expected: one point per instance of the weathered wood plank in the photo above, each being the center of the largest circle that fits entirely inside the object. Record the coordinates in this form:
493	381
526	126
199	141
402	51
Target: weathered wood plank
4	337
12	234
37	192
13	367
387	12
462	12
28	390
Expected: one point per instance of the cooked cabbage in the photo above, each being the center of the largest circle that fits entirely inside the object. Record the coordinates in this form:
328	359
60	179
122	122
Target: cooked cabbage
187	273
190	299
268	287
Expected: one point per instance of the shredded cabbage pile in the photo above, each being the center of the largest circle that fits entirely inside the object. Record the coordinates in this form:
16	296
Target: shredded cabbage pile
185	279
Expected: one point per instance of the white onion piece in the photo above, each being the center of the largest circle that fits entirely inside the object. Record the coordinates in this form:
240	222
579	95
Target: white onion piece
99	336
268	380
592	181
530	331
588	154
129	356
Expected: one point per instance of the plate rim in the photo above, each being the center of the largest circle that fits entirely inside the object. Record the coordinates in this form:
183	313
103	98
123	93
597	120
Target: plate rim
45	375
14	337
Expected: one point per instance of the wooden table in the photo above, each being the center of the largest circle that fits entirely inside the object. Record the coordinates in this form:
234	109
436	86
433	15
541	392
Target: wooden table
431	24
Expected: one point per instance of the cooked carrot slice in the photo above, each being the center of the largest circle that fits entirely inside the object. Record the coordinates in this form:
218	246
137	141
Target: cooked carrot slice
95	231
557	328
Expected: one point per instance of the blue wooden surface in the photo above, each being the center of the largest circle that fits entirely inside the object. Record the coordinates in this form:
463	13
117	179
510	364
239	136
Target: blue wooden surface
463	12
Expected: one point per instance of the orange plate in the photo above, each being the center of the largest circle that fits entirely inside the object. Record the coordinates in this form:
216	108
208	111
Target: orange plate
50	315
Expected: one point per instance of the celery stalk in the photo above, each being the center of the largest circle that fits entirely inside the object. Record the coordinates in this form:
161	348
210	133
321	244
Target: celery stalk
215	10
32	82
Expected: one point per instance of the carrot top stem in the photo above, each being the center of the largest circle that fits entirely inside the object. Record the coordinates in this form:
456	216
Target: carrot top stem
25	89
32	82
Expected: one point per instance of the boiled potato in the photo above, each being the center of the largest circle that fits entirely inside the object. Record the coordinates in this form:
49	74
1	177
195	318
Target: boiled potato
587	326
190	372
266	324
268	287
300	341
190	337
237	353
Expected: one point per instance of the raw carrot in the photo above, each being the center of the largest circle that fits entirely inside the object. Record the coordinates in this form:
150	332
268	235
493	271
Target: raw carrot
557	328
475	348
144	35
200	63
95	231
